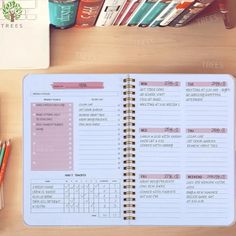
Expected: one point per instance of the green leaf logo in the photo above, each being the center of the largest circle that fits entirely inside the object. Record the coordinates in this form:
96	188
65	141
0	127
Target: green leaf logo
12	11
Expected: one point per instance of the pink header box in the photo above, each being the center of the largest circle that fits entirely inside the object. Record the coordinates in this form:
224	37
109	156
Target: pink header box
160	176
160	83
204	176
78	85
160	130
207	84
207	130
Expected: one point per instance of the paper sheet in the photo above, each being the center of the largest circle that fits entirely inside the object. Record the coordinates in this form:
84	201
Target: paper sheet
24	34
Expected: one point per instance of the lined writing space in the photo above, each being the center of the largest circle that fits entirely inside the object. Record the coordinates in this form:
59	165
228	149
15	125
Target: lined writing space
159	197
99	132
158	122
209	150
159	142
159	103
184	151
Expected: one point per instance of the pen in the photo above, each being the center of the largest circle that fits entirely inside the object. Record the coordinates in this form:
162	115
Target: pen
4	162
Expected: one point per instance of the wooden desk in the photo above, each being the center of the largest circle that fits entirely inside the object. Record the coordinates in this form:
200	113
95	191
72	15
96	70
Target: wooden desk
203	47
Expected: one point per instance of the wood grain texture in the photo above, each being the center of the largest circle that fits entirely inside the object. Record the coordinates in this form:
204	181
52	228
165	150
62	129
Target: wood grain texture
202	47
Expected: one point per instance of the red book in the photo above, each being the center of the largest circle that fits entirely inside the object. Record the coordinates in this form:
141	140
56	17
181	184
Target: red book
117	20
130	12
88	12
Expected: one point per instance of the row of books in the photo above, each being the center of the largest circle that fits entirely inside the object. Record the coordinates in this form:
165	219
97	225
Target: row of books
142	13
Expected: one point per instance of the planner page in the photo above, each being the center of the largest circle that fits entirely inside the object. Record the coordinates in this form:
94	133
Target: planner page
24	30
184	150
73	169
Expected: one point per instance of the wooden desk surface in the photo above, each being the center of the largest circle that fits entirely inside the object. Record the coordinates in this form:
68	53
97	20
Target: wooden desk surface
203	47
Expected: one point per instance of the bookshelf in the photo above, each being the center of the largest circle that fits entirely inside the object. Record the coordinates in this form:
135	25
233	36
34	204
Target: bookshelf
204	46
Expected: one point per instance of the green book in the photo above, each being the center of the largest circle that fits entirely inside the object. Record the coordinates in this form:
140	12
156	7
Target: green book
143	10
155	11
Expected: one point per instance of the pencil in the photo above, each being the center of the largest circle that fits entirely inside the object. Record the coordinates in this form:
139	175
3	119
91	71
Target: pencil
1	197
3	146
223	6
4	162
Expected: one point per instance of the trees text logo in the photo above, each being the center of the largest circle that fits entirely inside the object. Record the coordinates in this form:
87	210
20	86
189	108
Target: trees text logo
12	11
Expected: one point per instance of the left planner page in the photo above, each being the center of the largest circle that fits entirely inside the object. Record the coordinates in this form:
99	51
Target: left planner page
73	172
24	34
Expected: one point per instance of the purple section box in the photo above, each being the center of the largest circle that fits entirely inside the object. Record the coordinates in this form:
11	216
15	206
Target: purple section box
51	136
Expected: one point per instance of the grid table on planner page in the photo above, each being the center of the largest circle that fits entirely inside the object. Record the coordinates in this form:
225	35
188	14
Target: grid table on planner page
29	9
94	197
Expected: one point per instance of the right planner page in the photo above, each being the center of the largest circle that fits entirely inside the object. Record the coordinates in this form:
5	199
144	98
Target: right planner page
184	153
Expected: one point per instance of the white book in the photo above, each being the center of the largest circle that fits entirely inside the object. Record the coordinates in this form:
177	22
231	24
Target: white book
177	11
24	34
166	11
110	10
139	149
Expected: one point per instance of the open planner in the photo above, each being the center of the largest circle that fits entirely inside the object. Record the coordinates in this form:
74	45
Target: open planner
138	149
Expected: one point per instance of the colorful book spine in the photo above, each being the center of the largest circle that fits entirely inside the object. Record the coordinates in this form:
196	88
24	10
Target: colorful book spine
88	12
156	10
176	12
123	12
63	13
165	13
131	11
142	12
110	10
191	12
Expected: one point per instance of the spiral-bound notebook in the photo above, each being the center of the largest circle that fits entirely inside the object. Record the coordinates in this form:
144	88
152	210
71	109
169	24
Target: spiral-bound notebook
139	149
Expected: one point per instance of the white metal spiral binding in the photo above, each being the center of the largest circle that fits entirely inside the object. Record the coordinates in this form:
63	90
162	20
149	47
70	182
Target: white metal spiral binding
129	149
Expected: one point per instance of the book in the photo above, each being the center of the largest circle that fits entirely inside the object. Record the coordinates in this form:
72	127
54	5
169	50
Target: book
156	10
88	12
109	11
181	7
138	149
24	30
123	11
132	10
165	13
63	13
142	12
191	12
